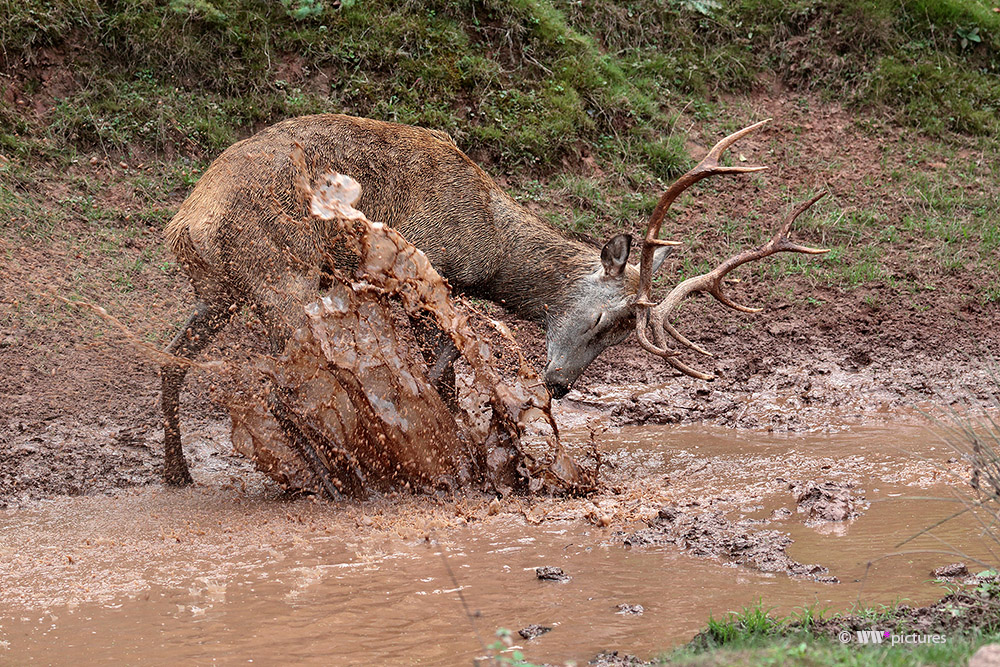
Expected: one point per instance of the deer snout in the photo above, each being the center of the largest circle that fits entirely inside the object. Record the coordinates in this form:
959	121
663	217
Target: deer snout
557	390
557	381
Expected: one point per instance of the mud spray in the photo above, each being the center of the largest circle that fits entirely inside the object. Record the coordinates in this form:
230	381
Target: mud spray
349	407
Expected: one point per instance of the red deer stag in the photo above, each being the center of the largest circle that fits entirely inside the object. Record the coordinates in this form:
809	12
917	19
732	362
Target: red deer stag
240	238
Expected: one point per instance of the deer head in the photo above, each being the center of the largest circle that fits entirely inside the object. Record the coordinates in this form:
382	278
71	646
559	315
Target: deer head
616	297
600	313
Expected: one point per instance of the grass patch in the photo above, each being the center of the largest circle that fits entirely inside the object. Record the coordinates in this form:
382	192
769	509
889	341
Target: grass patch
811	636
516	80
806	650
524	83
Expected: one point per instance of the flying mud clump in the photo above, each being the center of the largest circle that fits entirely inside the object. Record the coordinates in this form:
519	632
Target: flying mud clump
350	407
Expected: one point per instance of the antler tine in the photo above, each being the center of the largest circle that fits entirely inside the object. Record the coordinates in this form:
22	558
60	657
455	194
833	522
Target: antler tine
729	303
708	166
682	339
717	150
659	348
781	237
711	282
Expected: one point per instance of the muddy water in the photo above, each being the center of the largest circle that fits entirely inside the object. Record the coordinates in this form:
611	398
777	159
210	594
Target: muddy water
218	574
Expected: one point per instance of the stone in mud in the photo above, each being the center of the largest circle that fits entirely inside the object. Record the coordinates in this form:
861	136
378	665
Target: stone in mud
613	659
951	570
668	513
712	535
548	573
986	656
827	501
533	631
630	609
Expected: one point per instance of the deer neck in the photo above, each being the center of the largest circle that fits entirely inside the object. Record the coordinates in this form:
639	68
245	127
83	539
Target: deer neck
539	269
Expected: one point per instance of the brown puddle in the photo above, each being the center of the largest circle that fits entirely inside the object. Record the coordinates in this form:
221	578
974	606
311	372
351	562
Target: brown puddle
217	575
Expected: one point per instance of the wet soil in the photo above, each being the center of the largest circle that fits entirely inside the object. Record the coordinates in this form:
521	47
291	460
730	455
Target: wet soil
971	610
711	534
826	501
236	572
954	614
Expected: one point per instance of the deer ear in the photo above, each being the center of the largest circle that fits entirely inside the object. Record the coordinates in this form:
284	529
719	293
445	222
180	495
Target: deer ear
614	255
659	255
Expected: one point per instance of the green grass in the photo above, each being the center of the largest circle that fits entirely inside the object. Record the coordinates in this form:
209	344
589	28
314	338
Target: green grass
754	636
514	79
806	650
526	83
753	622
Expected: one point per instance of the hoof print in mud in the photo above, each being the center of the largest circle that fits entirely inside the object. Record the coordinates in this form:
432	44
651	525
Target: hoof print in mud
626	609
548	573
533	631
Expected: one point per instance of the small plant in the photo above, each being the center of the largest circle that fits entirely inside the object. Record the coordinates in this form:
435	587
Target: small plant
499	650
988	587
200	8
991	294
703	7
806	617
722	632
753	621
968	35
301	10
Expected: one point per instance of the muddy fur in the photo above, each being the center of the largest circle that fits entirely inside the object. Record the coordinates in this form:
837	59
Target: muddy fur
240	227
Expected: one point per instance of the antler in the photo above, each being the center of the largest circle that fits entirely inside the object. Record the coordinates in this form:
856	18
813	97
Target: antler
649	313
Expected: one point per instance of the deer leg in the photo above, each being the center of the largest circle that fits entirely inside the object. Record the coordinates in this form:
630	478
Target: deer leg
440	353
302	445
197	333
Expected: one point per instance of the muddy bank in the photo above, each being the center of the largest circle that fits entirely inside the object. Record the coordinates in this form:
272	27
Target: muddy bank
67	458
967	612
972	609
818	354
782	373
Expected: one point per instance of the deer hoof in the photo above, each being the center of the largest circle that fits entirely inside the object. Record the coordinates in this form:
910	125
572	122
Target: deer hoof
177	476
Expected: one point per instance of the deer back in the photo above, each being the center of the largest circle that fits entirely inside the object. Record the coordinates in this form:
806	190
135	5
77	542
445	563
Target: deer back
242	226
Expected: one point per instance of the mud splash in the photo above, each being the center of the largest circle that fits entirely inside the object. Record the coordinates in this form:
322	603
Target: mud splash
351	408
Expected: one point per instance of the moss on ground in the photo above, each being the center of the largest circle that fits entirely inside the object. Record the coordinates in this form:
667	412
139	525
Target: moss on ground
527	82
